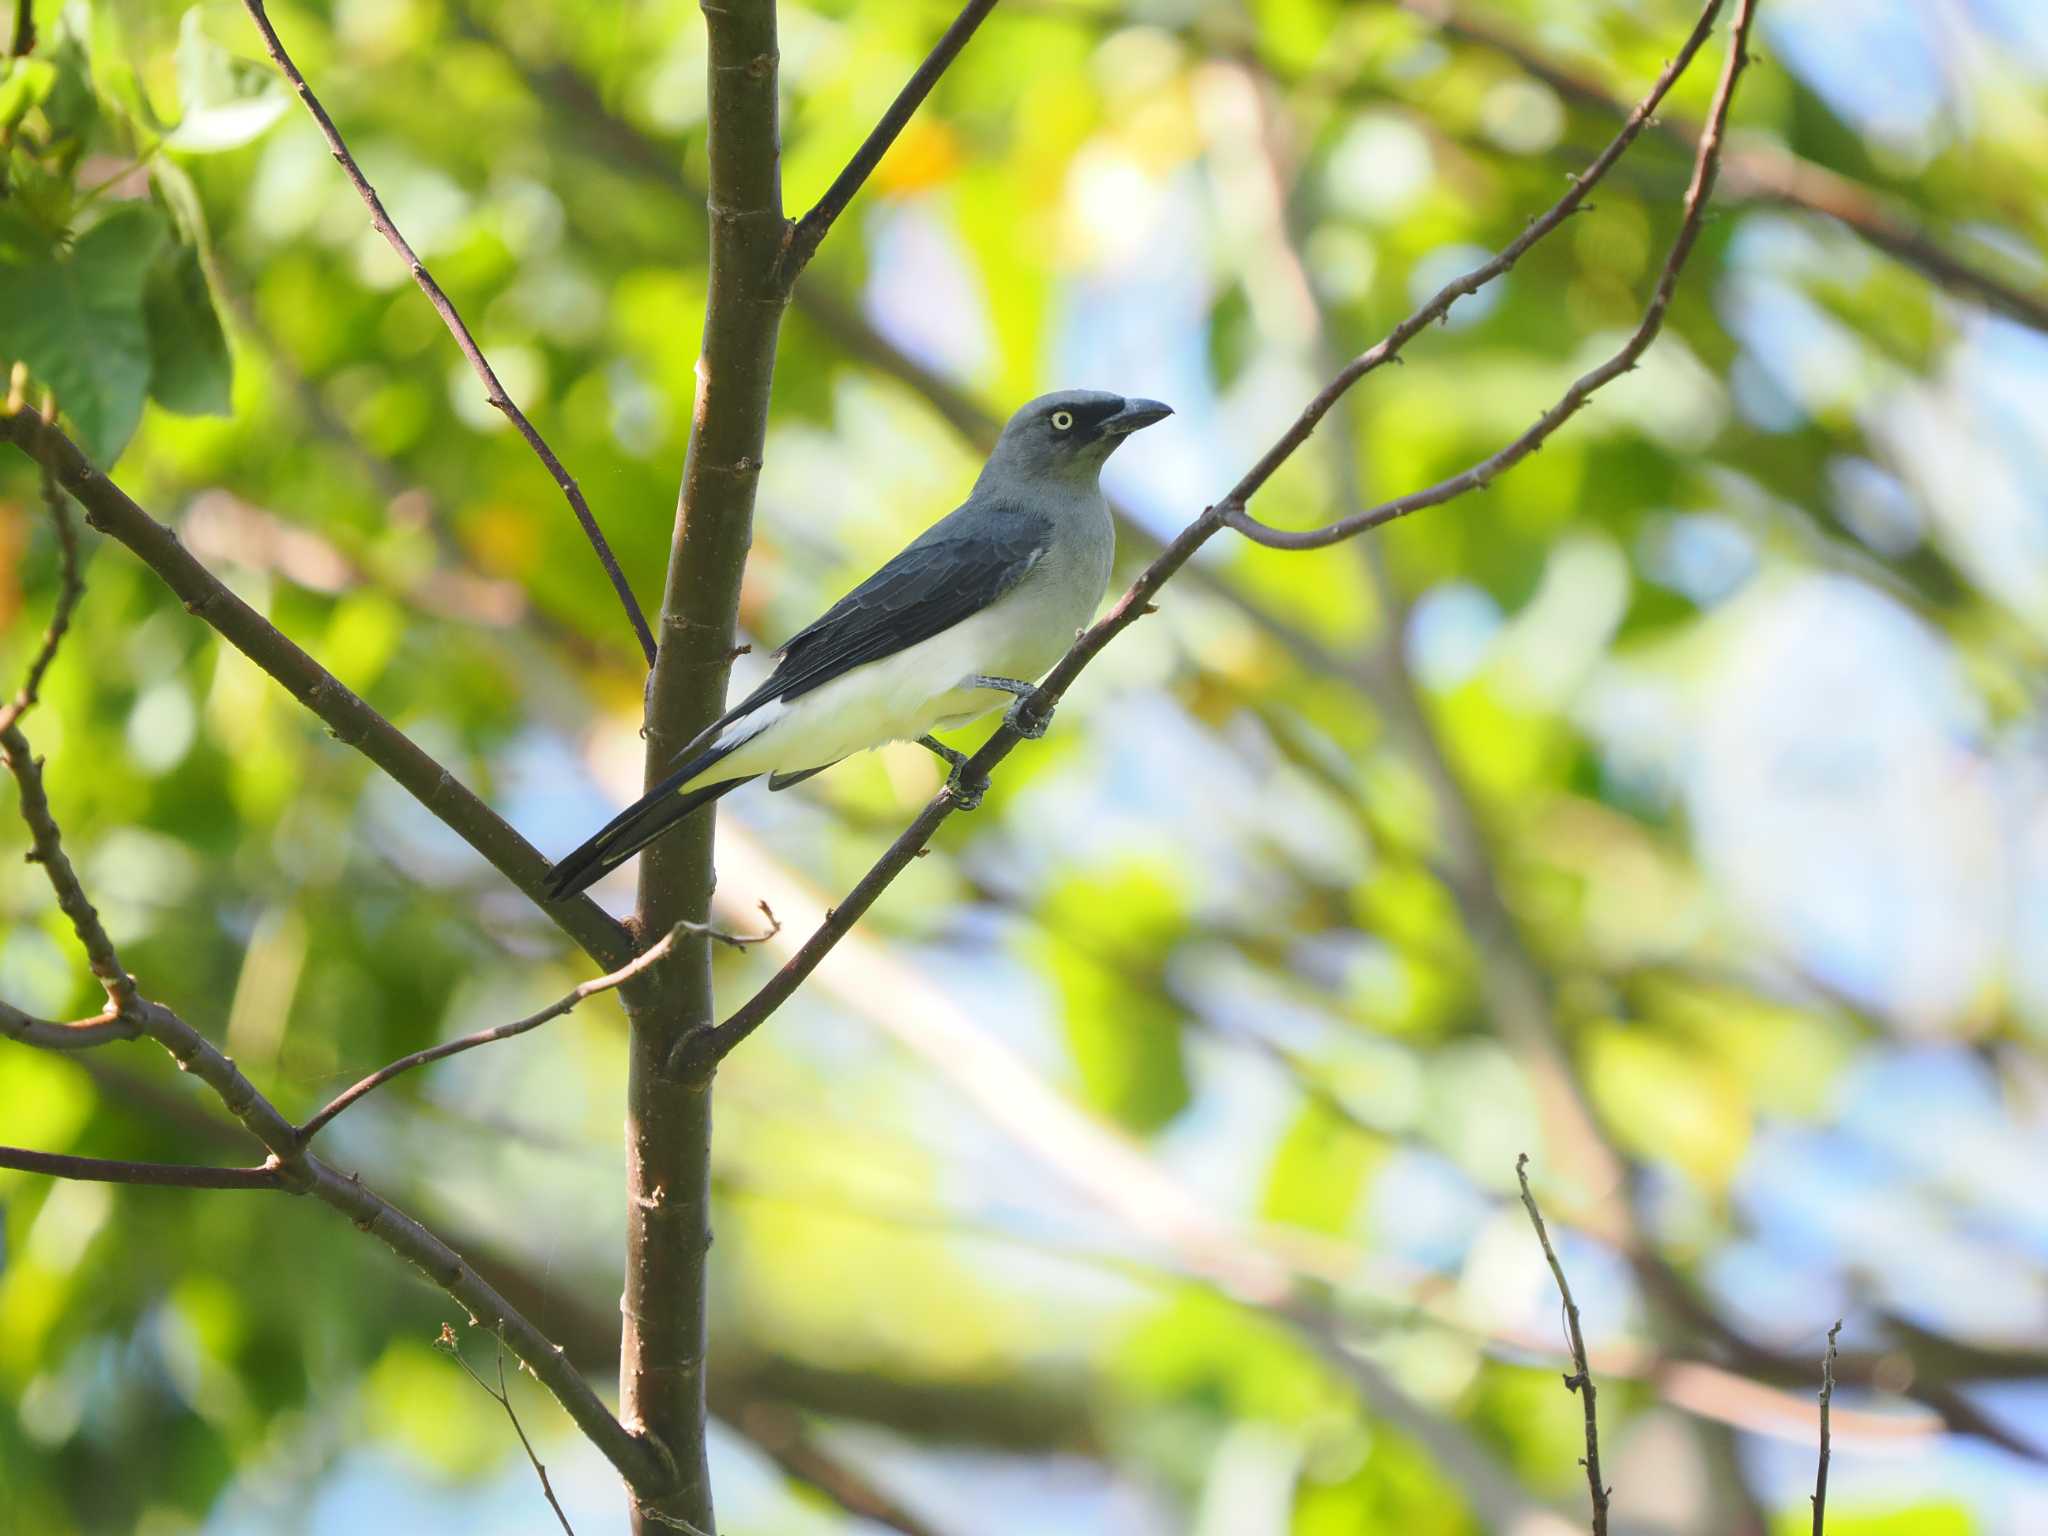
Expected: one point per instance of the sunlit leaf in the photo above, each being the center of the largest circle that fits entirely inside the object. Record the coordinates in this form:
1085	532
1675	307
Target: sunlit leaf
224	102
77	321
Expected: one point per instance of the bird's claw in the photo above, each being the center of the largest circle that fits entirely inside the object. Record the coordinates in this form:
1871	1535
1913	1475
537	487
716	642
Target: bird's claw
1023	693
1030	730
965	793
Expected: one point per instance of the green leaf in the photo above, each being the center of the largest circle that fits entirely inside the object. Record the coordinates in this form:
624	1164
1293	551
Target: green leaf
226	101
1106	941
71	105
24	83
77	322
189	368
1319	1171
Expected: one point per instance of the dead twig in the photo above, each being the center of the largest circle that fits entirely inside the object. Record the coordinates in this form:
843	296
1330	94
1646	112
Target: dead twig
1581	1378
448	1344
1827	1397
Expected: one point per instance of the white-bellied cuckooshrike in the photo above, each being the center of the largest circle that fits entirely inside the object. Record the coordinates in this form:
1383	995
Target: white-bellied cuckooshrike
978	606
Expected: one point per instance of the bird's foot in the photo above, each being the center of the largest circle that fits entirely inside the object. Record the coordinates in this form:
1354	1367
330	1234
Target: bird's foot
1024	694
966	793
966	796
1030	730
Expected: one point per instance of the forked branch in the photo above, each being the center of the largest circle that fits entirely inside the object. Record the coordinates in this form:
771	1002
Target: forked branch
808	232
699	1054
1706	166
348	718
643	1463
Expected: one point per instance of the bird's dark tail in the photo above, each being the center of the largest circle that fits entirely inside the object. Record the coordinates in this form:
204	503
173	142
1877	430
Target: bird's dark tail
638	825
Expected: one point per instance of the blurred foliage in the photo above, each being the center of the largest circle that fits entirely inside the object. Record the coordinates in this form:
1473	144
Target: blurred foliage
1717	724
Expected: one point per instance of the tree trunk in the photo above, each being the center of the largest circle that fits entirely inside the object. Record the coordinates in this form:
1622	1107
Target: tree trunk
668	1123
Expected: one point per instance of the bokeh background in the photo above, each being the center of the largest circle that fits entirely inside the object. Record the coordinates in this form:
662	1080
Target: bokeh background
1673	811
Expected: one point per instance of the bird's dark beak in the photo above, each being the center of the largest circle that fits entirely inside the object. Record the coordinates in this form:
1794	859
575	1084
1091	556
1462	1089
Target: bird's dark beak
1134	415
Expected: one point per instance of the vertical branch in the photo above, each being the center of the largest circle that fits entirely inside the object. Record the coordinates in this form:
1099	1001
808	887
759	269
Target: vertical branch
1581	1378
668	1124
1827	1398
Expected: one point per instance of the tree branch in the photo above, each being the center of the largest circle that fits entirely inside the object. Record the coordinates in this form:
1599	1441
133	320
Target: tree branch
625	973
494	391
47	849
696	1056
640	1461
348	717
1827	1398
1581	1379
626	144
78	1035
1778	176
668	1123
809	231
108	1170
1705	167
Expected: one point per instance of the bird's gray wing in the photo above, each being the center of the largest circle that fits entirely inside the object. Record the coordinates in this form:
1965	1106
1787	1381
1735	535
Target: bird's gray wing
958	567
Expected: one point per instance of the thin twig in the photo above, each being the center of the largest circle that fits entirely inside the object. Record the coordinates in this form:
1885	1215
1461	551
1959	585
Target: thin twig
1827	1397
494	391
697	1054
70	587
1705	167
1581	1378
347	716
807	233
46	846
578	104
625	973
448	1344
111	1170
47	849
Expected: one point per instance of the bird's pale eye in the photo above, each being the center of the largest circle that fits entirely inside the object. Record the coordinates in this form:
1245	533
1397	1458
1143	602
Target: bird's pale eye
1061	420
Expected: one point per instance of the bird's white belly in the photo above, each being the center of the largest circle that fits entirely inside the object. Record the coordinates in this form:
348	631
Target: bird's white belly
900	697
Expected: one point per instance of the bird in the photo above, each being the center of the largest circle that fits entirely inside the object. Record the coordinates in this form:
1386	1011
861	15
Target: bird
963	620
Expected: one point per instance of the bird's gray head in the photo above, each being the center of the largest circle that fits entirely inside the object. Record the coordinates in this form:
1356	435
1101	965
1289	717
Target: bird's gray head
1068	435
